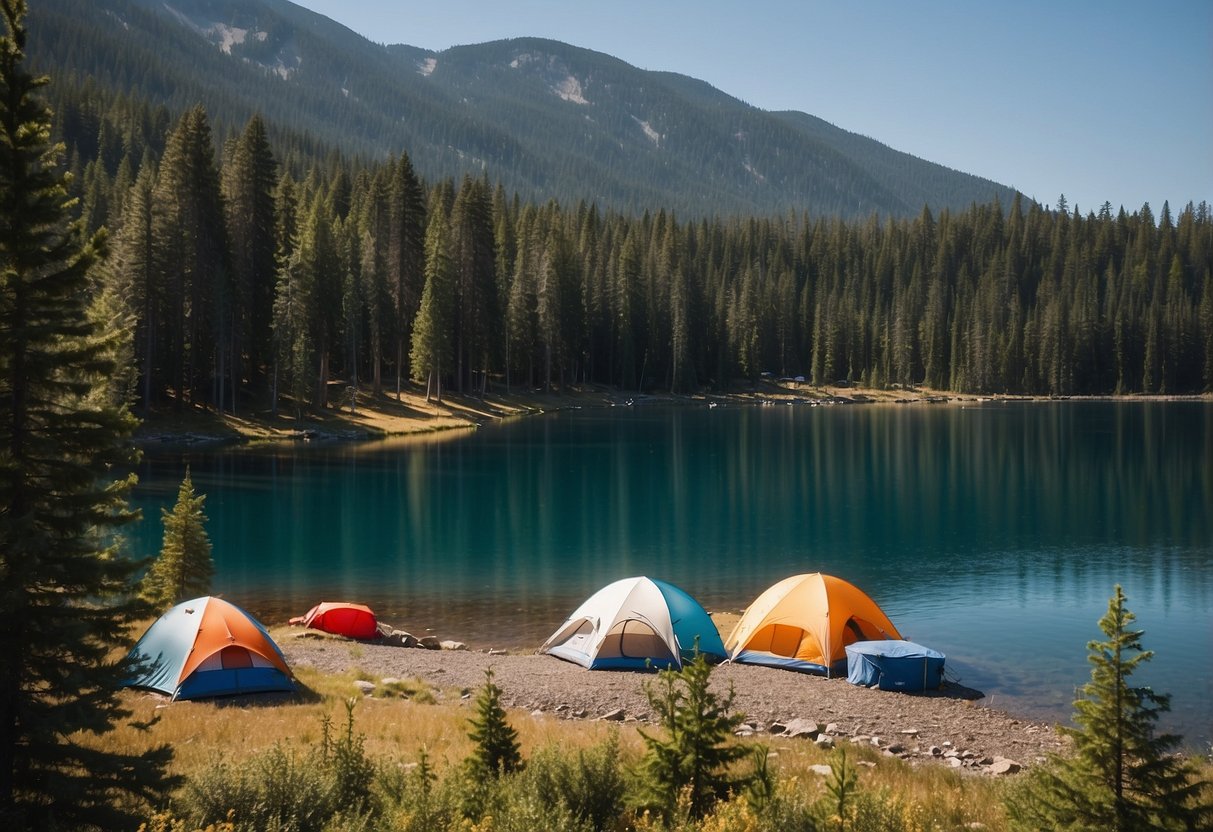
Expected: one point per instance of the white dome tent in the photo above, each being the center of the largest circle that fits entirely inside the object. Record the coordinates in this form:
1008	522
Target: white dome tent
636	623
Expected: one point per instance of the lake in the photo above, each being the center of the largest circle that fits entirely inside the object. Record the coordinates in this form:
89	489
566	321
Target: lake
992	531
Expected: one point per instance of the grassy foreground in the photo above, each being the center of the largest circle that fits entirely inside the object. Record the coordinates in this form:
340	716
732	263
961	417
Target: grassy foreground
284	738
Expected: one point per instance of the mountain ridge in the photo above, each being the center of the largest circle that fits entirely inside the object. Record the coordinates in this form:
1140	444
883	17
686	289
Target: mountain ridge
547	119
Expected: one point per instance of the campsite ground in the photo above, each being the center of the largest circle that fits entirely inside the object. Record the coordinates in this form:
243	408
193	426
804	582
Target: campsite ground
952	721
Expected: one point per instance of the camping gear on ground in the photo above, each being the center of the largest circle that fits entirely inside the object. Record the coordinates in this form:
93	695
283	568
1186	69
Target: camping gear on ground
894	665
339	618
208	647
804	623
636	623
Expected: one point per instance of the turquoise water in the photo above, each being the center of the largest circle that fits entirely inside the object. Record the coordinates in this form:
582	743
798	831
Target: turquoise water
993	532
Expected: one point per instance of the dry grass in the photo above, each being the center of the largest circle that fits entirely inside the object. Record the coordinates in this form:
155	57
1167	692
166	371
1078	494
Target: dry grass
396	726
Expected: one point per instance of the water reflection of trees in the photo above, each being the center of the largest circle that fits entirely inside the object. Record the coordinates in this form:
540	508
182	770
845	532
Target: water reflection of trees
728	500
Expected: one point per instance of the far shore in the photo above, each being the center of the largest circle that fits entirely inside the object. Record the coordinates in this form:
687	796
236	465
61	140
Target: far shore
386	415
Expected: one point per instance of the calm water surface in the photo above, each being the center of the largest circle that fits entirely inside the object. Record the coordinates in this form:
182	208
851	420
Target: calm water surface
992	532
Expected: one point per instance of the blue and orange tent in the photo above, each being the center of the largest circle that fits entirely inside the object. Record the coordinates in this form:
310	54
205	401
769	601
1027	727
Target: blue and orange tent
208	647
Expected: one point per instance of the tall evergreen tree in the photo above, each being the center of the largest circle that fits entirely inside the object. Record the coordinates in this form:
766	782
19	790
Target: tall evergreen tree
520	309
249	178
1122	776
432	337
406	256
184	568
130	285
477	317
64	585
191	253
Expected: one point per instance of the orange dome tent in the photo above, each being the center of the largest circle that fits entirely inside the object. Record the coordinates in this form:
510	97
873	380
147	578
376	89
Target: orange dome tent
339	618
805	622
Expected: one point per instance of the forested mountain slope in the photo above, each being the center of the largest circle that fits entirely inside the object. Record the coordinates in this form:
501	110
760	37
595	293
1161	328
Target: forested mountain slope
547	119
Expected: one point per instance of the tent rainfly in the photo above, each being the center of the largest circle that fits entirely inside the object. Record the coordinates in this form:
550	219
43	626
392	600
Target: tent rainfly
208	647
636	623
339	618
804	623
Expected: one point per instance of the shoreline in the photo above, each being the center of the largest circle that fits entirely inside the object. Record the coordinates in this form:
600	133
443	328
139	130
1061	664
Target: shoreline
385	416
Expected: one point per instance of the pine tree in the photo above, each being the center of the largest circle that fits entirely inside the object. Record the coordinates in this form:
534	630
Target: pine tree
496	750
129	288
249	177
1122	776
184	568
64	585
698	749
477	316
431	347
292	341
406	256
191	252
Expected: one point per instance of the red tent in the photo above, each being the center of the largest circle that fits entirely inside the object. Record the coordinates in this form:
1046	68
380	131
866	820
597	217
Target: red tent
351	620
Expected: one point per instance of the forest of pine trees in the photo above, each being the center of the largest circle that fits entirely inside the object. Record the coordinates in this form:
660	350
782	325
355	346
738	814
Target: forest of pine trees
249	280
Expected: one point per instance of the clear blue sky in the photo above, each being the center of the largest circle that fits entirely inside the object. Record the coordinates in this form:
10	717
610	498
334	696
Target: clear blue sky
1109	100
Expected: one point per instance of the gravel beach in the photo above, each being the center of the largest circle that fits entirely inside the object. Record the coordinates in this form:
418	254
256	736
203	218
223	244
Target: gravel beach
947	727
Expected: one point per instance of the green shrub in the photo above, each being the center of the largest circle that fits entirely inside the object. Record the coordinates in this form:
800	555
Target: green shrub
277	790
513	806
352	771
285	790
417	801
589	785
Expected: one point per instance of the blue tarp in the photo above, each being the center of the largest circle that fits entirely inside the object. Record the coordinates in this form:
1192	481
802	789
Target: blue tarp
894	665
